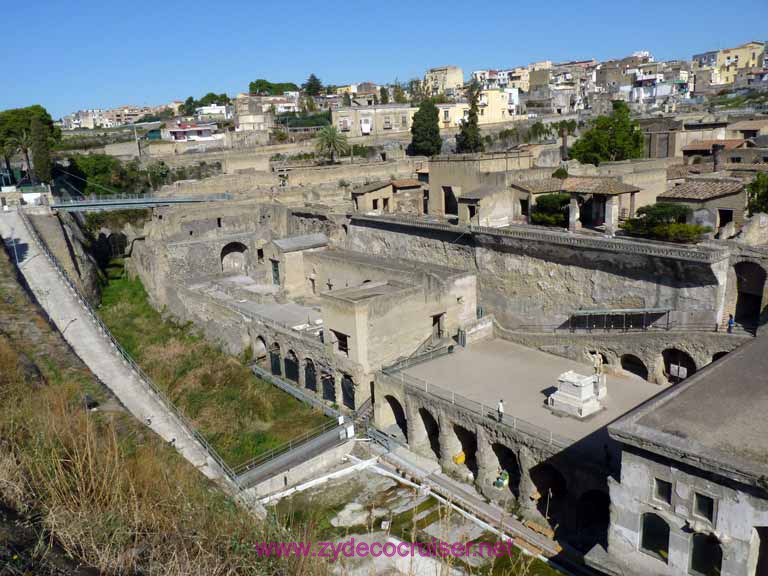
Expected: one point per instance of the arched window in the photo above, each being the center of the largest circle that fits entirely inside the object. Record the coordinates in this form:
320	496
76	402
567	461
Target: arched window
654	538
706	555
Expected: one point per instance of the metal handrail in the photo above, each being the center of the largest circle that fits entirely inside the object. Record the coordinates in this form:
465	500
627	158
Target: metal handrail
294	391
118	198
143	377
565	329
286	447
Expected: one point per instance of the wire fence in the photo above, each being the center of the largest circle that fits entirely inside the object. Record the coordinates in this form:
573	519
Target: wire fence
183	421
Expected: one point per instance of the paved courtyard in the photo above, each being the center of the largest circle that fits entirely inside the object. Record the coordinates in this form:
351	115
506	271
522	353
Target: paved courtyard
523	377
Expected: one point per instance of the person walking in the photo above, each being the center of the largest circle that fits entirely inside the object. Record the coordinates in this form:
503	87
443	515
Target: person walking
500	409
731	323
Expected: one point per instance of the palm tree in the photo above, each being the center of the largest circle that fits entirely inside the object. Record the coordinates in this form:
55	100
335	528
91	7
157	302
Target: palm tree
331	142
22	143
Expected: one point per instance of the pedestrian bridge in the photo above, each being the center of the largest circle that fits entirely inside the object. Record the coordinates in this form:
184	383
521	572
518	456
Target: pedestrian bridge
127	202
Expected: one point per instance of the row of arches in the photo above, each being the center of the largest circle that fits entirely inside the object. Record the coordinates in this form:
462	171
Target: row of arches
678	364
585	517
304	372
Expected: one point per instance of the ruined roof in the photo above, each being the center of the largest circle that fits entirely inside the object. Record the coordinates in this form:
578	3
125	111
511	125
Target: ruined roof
680	171
406	183
749	125
296	243
539	186
747	167
706	145
597	185
480	192
700	190
368	290
696	421
371	187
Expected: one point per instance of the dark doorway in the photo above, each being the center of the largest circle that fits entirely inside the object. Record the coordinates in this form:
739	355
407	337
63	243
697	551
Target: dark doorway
594	515
274	359
437	326
275	272
762	551
706	555
432	429
348	391
655	536
633	364
399	415
451	204
508	462
724	216
552	493
678	365
468	441
292	366
329	387
310	375
750	282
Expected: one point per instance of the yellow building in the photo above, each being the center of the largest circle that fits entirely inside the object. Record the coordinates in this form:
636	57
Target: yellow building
448	80
731	60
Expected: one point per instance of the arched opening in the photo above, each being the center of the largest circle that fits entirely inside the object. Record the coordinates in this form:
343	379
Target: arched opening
260	352
750	282
706	555
594	515
328	383
233	257
292	366
633	364
654	537
468	453
395	422
717	355
508	463
274	359
552	492
348	391
117	244
678	365
310	375
432	430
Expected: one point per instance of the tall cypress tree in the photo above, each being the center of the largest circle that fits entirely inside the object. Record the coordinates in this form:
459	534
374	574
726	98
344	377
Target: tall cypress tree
41	149
468	139
425	130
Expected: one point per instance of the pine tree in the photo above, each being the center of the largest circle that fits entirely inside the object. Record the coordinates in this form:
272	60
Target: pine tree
384	95
41	149
425	130
313	86
468	140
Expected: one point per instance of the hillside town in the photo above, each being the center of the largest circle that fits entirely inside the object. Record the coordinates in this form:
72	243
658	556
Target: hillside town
516	309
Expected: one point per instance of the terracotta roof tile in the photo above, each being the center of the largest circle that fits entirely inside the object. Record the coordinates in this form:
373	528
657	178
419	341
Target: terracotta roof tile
540	186
701	189
597	185
706	145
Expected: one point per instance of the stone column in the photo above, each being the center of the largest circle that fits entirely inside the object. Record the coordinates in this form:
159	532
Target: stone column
487	463
574	214
337	388
447	447
282	364
527	487
302	374
632	204
531	204
611	215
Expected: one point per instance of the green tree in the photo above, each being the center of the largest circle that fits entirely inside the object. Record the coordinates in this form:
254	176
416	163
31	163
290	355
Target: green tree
40	146
267	88
346	99
469	140
757	193
331	142
664	221
425	130
551	210
416	89
16	131
384	95
561	173
313	86
611	138
188	108
398	93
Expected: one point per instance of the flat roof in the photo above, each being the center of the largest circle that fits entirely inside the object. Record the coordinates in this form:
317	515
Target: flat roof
412	266
523	377
367	290
715	418
296	243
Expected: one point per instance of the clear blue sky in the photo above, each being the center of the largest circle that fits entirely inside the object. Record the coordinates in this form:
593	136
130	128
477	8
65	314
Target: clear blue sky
87	54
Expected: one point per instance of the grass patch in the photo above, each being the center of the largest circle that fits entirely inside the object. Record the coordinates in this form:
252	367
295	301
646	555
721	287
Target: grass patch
241	415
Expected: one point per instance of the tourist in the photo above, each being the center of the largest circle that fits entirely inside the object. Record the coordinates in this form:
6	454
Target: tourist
731	323
500	409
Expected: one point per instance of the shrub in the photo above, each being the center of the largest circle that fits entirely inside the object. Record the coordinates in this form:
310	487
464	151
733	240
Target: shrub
561	173
550	210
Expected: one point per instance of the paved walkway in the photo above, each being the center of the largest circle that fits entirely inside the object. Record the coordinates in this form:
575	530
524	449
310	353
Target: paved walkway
74	322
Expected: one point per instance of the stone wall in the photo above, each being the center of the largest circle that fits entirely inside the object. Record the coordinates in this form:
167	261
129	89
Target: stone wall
536	282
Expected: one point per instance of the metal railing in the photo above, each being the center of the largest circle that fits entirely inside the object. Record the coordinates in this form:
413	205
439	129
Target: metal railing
183	421
478	408
285	448
418	359
108	199
565	329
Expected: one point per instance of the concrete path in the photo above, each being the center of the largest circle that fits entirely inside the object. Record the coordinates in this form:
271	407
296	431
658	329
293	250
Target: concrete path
98	353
